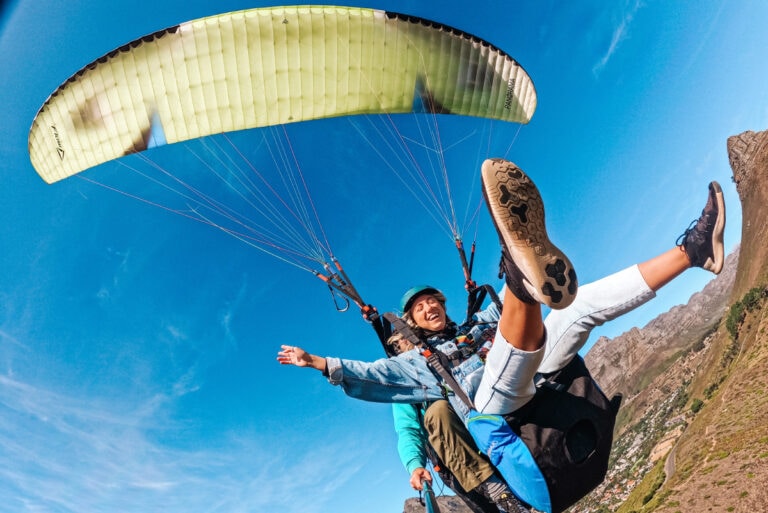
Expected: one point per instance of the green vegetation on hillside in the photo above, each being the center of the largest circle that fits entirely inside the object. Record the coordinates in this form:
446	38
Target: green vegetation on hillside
738	311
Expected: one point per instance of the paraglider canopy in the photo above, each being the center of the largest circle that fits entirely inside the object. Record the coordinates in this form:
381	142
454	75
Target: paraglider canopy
266	67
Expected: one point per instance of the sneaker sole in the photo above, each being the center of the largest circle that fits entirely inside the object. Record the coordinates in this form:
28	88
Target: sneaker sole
718	249
517	211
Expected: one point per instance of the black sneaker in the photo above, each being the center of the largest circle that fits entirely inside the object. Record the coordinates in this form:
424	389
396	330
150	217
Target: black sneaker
703	240
535	269
510	504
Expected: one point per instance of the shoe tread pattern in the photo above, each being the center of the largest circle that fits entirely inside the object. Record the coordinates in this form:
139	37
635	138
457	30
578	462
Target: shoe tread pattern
515	203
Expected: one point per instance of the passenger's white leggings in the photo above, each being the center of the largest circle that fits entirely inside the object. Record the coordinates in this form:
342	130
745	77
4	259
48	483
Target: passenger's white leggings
507	381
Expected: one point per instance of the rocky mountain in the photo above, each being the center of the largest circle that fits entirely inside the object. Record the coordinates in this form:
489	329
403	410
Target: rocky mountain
658	364
630	361
693	429
446	503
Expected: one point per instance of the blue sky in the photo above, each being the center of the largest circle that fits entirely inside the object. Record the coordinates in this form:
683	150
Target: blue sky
137	347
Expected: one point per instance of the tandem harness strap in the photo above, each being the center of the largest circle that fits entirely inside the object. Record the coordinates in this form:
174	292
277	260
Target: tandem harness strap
438	361
475	298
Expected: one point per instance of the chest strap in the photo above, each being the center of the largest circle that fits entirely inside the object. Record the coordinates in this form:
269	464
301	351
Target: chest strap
438	361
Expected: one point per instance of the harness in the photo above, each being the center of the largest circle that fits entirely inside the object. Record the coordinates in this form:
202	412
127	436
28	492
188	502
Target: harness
438	361
552	451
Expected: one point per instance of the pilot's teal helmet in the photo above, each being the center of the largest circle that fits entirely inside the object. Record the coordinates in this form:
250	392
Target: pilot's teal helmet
413	293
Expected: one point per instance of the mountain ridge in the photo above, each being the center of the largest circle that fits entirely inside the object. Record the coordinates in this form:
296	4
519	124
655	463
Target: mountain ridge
692	434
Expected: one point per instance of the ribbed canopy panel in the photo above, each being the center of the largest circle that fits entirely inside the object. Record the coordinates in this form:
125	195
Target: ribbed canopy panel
270	66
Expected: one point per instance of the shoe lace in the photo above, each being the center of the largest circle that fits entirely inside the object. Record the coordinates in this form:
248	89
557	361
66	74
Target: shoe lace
683	238
511	504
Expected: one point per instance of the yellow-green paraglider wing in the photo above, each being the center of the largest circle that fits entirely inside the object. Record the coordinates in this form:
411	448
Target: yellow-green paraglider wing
270	66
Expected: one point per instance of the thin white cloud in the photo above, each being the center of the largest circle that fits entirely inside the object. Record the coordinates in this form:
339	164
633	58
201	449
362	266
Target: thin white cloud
619	34
7	337
176	332
704	38
84	455
186	384
230	312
